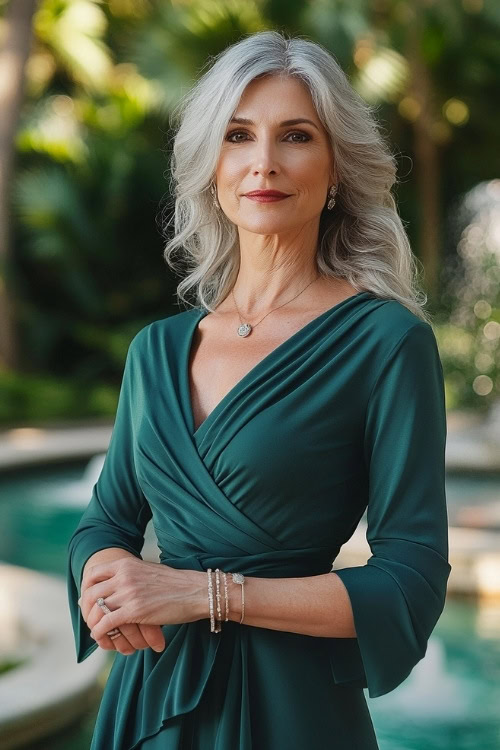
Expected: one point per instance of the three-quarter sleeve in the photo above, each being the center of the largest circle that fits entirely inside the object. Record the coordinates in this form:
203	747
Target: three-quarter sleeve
397	597
118	512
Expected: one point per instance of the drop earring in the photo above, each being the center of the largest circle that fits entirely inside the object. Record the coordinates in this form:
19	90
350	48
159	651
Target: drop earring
332	192
213	190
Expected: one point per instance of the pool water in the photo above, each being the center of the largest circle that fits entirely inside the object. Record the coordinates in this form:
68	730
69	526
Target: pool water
451	700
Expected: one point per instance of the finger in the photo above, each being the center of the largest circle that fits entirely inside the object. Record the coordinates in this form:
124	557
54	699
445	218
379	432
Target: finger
132	639
138	636
153	635
120	643
98	573
103	623
134	635
89	597
96	615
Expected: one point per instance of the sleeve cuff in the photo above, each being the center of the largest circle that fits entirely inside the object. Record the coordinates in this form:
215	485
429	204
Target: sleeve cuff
395	608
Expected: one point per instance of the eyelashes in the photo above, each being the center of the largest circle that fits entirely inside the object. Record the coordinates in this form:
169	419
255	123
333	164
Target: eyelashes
306	136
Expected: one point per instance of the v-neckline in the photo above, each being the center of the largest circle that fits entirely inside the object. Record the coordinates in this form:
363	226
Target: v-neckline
248	375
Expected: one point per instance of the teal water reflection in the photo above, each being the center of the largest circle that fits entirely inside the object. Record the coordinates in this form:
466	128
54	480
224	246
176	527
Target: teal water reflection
451	701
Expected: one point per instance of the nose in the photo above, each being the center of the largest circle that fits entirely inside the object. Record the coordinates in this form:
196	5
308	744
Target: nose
265	159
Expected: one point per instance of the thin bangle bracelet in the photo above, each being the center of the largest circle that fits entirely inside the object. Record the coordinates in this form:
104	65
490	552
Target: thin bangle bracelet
240	578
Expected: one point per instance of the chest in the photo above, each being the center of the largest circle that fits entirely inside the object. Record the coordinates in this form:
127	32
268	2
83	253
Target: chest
219	358
290	436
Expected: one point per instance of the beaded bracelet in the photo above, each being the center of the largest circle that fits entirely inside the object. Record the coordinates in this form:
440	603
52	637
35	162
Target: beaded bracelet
213	627
226	597
217	594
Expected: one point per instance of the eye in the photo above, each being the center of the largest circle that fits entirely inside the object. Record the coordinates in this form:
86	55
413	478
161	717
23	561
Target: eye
301	134
233	133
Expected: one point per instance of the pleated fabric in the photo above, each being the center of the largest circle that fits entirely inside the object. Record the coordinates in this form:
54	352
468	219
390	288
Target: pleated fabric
346	415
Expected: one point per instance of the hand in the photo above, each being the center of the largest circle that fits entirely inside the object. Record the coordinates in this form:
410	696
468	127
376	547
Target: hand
142	596
133	638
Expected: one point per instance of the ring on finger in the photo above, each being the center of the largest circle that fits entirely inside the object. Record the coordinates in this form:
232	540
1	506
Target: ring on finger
102	604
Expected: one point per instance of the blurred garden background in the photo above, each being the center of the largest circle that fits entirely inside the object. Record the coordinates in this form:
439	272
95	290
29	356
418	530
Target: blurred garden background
86	88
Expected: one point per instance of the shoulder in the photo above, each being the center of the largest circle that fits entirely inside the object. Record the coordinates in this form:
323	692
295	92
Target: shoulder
397	341
402	352
391	325
162	330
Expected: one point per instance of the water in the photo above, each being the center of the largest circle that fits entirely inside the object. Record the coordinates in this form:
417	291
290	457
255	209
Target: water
474	500
451	700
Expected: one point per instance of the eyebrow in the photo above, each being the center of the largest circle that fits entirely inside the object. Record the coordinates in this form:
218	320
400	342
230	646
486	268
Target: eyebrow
285	123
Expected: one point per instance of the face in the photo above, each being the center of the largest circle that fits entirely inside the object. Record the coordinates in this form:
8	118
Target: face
264	153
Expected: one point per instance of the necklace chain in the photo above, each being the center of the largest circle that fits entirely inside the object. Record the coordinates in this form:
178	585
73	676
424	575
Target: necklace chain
244	329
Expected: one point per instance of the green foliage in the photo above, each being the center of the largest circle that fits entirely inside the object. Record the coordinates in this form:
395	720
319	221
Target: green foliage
6	665
31	399
88	247
88	270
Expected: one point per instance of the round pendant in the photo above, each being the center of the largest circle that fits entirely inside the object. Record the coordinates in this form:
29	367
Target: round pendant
244	329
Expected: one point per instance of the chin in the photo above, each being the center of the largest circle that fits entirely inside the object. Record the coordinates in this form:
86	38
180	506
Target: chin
264	225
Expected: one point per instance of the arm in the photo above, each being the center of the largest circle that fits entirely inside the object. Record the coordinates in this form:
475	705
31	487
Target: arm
311	605
398	596
114	522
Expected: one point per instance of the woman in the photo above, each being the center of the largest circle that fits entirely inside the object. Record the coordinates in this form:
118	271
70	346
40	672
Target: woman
255	429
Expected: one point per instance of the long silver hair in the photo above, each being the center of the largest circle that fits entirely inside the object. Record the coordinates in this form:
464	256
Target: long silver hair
362	240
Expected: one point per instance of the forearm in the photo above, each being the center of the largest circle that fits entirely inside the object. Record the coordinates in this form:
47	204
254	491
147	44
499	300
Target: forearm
313	605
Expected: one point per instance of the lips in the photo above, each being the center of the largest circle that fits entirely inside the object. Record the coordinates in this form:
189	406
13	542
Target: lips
266	194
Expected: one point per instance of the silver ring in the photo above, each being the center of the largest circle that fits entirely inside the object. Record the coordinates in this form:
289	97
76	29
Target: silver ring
116	631
100	603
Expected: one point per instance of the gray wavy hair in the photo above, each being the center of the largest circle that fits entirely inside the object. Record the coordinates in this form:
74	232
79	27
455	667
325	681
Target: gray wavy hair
362	240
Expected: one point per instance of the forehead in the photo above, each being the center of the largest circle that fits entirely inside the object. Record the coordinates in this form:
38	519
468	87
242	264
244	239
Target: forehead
274	98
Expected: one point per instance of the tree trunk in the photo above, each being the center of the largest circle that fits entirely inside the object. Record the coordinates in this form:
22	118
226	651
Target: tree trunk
13	56
427	158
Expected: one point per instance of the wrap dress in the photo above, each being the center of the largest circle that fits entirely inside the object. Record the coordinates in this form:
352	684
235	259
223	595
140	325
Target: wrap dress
345	416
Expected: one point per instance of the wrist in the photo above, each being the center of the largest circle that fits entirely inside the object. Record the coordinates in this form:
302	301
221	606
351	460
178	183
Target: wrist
234	596
202	612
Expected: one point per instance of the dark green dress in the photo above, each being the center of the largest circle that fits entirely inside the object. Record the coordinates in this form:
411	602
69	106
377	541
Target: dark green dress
348	412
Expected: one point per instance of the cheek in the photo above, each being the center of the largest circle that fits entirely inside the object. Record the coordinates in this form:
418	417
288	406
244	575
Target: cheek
311	168
231	168
229	187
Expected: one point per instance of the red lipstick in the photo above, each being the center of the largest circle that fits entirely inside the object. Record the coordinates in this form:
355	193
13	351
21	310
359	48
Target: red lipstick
266	196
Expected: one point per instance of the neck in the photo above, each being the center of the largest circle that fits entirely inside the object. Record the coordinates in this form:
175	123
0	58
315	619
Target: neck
273	269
